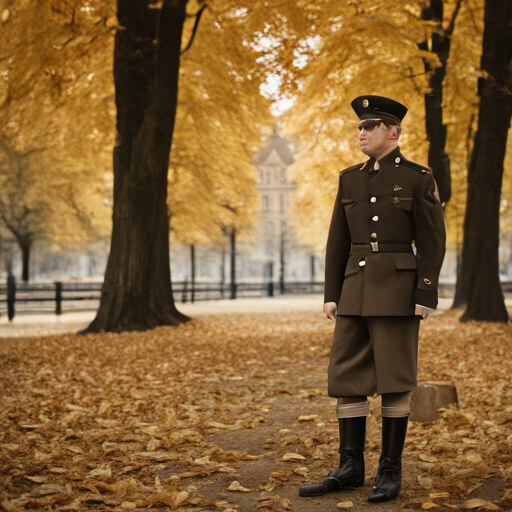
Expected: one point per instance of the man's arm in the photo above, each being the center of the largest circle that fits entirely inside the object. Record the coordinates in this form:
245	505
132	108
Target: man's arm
336	254
430	241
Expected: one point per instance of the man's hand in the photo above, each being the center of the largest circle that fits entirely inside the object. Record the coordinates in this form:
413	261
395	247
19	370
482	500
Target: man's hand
330	310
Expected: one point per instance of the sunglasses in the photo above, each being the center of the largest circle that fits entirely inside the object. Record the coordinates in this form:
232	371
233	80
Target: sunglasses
369	124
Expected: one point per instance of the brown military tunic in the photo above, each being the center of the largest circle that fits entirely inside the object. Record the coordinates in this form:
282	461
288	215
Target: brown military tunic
372	272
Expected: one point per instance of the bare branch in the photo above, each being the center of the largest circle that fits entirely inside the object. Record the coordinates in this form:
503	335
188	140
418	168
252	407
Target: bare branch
194	30
451	25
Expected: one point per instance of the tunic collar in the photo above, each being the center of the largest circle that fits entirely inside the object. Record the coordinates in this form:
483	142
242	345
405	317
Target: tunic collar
391	157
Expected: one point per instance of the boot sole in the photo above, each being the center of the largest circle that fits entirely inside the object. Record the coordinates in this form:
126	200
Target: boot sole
381	500
327	492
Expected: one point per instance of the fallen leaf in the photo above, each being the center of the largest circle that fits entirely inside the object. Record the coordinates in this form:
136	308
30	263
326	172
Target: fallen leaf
428	505
477	503
310	417
285	503
345	504
37	479
73	505
128	505
426	482
107	472
236	487
292	456
439	495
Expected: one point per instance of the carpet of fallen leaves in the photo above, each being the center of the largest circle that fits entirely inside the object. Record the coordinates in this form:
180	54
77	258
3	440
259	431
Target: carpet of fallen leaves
230	413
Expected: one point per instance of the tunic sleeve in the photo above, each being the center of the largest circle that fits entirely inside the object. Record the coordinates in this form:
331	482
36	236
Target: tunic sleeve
430	241
337	251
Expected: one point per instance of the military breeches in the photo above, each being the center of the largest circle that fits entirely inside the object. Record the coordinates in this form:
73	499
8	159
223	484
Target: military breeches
373	355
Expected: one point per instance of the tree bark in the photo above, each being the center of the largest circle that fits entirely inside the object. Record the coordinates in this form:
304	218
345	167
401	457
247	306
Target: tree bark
25	246
479	277
438	160
137	291
233	262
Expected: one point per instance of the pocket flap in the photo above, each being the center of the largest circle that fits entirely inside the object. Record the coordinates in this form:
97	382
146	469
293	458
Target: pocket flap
352	266
406	265
348	201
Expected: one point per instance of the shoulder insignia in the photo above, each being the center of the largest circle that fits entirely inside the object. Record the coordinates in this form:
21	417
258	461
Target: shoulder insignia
355	167
422	169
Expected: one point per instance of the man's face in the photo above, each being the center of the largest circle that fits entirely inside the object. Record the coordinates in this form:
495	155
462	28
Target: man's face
374	142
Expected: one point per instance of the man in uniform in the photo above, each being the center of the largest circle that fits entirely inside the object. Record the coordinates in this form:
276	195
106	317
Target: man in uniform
384	253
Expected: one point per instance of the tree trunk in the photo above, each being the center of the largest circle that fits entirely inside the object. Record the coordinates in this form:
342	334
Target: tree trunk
438	160
233	263
193	273
479	277
282	262
25	246
137	292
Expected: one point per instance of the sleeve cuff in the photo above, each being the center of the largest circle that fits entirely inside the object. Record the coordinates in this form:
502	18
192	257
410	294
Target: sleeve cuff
426	298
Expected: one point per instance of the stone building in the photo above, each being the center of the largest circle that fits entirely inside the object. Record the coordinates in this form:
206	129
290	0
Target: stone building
273	247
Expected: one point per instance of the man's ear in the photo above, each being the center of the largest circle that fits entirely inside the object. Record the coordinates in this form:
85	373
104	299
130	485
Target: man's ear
393	133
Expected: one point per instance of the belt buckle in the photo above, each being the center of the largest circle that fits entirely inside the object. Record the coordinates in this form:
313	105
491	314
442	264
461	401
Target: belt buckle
375	246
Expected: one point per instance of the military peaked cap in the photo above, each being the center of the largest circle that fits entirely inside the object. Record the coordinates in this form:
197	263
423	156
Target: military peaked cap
379	107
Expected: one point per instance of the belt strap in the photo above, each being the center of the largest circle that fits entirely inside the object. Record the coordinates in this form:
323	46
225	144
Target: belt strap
385	247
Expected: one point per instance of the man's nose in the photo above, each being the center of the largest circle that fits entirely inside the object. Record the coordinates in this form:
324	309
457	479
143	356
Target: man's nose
362	134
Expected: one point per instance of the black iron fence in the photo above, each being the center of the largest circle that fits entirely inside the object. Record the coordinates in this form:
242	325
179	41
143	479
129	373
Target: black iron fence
51	297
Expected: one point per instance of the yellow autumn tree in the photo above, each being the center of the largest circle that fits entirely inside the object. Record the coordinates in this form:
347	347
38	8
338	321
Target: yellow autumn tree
220	121
358	48
56	97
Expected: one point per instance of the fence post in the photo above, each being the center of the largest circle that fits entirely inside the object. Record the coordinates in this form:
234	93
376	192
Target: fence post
58	298
184	291
11	295
270	288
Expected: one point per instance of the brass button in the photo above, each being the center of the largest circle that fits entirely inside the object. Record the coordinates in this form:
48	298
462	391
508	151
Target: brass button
362	263
424	171
375	218
374	235
427	281
373	199
397	160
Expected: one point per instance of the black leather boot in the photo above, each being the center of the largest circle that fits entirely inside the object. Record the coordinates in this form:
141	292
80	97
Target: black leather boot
350	472
389	476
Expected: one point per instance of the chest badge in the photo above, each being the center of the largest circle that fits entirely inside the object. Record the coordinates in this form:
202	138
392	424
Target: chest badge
396	188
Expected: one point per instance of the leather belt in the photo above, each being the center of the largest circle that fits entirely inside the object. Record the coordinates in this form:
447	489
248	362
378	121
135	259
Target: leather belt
384	247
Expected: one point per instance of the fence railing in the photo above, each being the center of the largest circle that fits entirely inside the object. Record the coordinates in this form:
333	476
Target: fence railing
50	297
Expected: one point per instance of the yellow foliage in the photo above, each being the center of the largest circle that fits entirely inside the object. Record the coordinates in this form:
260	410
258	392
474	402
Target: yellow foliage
56	103
372	48
221	117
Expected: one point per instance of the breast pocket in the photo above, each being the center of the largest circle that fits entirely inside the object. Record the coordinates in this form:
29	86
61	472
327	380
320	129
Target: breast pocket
404	203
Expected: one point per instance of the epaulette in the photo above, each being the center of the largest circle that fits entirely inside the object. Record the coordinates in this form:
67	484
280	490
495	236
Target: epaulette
354	167
417	167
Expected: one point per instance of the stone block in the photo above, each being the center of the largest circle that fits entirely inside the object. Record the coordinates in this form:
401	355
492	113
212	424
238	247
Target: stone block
428	397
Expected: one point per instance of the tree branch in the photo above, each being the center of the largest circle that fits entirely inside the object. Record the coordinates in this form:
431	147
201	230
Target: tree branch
196	25
451	26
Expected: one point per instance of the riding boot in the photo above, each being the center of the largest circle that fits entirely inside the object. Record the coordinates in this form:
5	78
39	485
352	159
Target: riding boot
350	472
389	476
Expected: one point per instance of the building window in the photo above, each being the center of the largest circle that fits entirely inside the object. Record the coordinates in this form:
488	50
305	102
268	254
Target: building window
266	204
269	177
281	203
